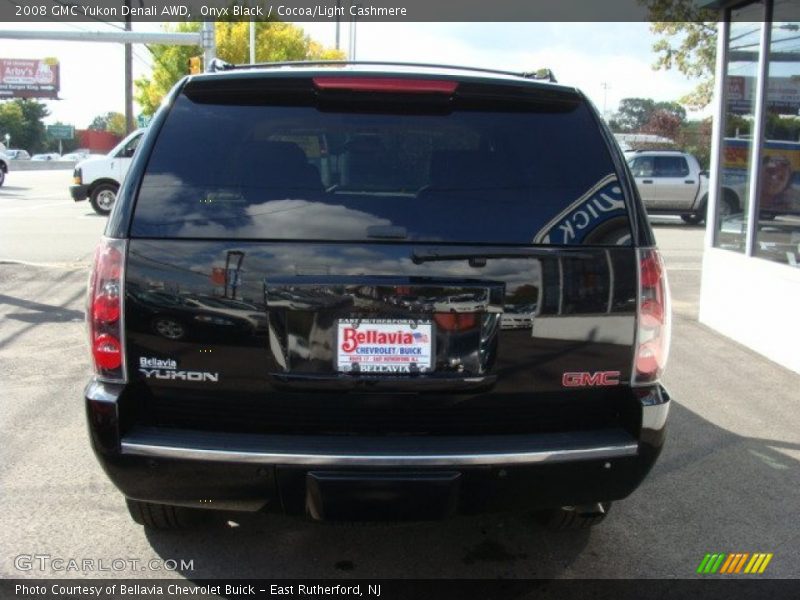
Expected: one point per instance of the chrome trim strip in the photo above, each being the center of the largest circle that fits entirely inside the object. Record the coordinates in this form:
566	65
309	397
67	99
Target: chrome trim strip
379	460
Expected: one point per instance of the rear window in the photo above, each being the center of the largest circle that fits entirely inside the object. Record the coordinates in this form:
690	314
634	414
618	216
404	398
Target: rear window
255	171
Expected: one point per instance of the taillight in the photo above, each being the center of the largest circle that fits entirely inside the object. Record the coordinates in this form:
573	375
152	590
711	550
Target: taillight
454	321
654	319
104	310
77	177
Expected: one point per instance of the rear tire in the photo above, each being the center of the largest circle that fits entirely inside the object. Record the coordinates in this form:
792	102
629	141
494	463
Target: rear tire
727	206
569	518
103	198
163	516
699	216
693	219
2	176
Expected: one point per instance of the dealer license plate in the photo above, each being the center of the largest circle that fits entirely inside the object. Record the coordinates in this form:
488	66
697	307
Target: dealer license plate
384	346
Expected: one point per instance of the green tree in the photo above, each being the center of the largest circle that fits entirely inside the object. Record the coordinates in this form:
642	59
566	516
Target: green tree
634	113
781	127
687	41
12	123
23	119
694	137
275	41
113	122
99	123
116	124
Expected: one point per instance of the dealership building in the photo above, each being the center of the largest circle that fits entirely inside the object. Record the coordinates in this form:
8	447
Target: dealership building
751	264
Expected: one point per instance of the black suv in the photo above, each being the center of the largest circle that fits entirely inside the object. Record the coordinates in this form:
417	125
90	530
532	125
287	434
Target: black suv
313	320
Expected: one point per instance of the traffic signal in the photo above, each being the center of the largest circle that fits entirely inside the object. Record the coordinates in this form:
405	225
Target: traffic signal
195	65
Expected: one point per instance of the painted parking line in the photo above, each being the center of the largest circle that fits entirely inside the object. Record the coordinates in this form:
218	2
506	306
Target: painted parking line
77	265
18	208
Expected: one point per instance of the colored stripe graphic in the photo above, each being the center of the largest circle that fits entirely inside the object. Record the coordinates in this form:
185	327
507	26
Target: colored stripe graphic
718	563
764	564
728	564
741	562
703	563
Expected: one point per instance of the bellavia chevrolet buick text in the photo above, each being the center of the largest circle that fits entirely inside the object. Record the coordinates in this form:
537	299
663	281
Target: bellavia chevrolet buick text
313	321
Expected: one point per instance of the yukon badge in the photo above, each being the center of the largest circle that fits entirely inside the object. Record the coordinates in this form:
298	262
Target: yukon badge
156	368
586	379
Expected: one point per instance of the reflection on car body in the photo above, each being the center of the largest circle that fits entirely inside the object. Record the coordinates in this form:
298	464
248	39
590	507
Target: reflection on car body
518	316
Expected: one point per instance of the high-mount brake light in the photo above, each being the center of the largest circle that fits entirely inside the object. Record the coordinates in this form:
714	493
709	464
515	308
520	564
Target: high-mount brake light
104	310
654	319
386	84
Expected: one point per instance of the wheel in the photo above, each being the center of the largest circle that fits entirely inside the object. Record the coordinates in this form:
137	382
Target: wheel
697	217
727	207
2	176
163	516
103	197
693	219
168	328
575	517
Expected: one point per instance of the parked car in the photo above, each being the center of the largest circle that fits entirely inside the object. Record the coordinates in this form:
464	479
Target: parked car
99	178
672	182
518	316
73	157
46	156
17	154
378	220
4	160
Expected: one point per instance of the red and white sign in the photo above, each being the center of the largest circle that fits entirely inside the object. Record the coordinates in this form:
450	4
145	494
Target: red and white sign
29	78
384	346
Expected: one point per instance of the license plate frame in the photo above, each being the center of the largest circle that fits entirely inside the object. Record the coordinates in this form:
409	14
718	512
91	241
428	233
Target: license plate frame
382	362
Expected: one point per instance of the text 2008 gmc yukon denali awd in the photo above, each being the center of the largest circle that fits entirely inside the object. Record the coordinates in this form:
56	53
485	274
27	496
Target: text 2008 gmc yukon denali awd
313	322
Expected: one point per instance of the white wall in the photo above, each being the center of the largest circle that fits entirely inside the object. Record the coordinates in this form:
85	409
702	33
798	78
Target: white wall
755	302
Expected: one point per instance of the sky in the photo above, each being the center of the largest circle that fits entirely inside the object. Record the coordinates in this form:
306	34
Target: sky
608	61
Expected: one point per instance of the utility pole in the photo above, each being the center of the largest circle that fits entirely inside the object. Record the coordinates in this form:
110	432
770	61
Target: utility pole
252	42
208	41
128	74
352	49
338	21
605	85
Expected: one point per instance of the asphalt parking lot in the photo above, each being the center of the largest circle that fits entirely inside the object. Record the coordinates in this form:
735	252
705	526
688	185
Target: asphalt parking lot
728	480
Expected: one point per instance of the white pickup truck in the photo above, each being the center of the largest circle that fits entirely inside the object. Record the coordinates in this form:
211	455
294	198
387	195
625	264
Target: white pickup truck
98	178
672	182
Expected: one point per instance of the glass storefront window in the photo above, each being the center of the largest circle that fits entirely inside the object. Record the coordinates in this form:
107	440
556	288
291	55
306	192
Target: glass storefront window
743	50
778	232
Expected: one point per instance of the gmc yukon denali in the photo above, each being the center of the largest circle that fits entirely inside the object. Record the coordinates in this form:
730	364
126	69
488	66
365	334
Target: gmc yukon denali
313	322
